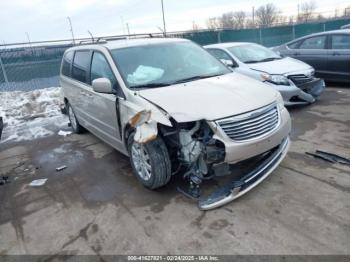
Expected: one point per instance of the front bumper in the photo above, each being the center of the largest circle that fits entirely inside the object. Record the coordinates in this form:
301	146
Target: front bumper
239	151
302	94
239	187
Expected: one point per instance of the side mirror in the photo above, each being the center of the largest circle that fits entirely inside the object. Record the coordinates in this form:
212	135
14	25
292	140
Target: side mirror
102	85
226	62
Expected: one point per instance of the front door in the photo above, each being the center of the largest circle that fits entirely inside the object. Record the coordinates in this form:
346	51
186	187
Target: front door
313	52
102	110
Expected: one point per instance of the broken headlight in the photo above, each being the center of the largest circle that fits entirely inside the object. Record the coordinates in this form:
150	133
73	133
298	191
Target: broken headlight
275	79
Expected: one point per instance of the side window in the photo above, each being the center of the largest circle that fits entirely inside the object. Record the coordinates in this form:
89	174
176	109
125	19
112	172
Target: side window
101	69
294	45
219	54
317	42
66	63
340	41
81	65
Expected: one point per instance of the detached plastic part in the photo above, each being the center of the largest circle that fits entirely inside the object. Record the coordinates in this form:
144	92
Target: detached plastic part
38	182
237	188
61	168
330	157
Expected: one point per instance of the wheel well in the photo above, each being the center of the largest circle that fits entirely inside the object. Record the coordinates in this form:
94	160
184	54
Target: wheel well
127	131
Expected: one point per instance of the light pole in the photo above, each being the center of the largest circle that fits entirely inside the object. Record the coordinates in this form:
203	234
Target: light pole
71	29
253	15
127	27
164	27
30	43
92	37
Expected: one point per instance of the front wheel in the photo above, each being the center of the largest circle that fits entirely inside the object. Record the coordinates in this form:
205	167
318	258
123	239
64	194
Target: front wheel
150	162
77	128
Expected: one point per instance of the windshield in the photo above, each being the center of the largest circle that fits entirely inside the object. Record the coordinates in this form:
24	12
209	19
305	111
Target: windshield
158	65
252	53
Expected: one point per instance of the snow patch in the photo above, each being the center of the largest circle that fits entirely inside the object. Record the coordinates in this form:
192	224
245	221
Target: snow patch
31	115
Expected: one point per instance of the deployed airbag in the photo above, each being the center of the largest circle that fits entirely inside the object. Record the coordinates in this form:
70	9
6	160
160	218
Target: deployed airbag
145	74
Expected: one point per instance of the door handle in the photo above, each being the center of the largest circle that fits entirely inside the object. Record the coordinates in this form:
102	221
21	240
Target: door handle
296	53
336	53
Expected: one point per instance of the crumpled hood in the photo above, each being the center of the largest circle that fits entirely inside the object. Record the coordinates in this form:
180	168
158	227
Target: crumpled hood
211	98
282	66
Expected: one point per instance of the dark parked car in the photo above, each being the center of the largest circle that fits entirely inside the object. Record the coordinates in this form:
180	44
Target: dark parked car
328	52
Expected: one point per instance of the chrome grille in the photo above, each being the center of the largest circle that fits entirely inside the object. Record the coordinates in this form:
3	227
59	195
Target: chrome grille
251	125
300	79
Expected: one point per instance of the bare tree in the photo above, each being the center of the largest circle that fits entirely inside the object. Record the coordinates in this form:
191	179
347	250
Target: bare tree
195	26
320	17
267	15
347	11
249	23
307	10
213	23
226	20
239	19
291	20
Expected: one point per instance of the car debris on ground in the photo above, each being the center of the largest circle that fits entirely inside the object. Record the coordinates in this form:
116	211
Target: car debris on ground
4	180
330	157
64	133
58	169
38	182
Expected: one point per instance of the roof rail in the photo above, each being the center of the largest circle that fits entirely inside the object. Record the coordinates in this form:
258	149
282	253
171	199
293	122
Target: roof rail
105	39
92	41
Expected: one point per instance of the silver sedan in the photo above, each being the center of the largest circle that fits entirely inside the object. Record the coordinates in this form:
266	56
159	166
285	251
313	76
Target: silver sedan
294	79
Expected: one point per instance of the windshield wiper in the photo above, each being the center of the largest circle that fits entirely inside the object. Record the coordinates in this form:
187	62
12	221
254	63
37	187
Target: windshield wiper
193	78
151	85
252	61
262	60
270	59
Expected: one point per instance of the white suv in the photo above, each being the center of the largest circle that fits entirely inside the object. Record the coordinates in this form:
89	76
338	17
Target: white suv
175	110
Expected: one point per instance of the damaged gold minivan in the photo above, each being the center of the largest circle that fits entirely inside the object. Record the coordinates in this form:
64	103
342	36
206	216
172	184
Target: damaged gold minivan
175	110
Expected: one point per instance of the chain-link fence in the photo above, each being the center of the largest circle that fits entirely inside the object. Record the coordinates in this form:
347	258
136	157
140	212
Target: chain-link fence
270	36
32	67
36	65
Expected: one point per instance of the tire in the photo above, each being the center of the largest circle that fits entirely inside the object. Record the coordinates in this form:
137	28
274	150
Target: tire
77	128
158	162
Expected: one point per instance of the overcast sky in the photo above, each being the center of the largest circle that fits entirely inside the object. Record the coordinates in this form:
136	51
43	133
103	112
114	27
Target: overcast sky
47	19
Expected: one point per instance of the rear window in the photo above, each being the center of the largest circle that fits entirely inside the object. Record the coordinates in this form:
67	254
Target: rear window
81	66
341	42
67	61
